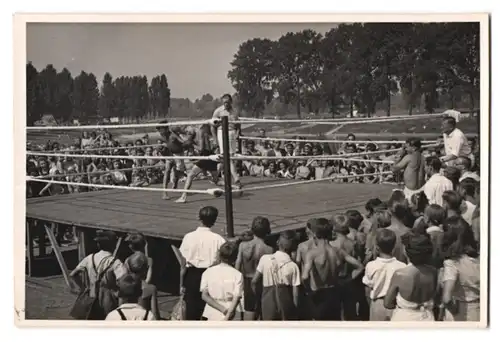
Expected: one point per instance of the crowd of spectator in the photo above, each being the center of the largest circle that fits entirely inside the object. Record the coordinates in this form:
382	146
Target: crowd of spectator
141	171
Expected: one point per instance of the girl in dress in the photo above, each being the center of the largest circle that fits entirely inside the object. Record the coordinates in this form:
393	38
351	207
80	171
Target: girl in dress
412	289
461	276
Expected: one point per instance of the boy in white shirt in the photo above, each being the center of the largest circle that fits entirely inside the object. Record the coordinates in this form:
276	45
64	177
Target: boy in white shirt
129	292
378	274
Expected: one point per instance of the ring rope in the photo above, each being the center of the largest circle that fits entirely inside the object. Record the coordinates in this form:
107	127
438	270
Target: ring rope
174	123
46	154
345	122
246	137
273	186
60	175
109	148
120	187
323	156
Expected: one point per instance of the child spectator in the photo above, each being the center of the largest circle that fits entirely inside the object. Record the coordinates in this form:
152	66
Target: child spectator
378	274
129	293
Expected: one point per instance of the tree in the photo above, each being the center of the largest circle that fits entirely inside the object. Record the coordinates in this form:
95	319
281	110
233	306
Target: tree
34	100
62	96
107	98
164	95
48	87
252	76
297	66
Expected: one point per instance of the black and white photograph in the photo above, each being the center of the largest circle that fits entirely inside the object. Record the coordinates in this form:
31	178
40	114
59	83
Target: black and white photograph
251	170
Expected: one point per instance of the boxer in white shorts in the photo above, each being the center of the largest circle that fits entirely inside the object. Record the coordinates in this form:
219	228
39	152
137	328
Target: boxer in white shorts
234	131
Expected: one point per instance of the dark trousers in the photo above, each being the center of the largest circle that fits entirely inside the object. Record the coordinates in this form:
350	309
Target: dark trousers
277	304
194	304
348	298
323	305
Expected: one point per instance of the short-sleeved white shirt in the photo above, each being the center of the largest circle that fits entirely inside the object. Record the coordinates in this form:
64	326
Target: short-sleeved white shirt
378	275
456	144
223	283
200	247
278	269
435	187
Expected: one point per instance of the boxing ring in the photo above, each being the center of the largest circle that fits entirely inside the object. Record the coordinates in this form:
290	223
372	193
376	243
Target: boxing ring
288	204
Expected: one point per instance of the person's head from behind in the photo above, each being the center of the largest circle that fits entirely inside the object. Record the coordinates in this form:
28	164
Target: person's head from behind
354	218
105	240
463	164
419	249
129	288
261	227
448	124
136	242
453	174
321	228
162	129
138	264
452	201
419	202
340	224
228	253
434	215
287	242
382	219
371	205
398	206
467	188
458	238
208	216
386	240
433	165
413	145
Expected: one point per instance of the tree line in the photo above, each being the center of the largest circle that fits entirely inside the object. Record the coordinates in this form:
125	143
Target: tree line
360	66
66	97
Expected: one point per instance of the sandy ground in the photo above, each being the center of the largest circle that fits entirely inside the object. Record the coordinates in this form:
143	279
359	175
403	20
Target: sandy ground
49	298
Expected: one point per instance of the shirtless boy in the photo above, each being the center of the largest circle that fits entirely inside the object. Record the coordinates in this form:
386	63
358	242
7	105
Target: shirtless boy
249	254
413	164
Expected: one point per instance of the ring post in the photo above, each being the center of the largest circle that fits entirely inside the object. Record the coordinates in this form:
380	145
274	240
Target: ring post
228	189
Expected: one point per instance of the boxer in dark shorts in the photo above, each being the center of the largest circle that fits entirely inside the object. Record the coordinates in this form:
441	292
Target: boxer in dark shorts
201	166
174	147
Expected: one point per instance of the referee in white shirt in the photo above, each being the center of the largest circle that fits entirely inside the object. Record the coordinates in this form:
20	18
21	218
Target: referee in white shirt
199	250
455	142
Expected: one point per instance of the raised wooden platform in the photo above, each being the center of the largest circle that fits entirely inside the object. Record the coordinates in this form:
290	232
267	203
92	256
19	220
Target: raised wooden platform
127	211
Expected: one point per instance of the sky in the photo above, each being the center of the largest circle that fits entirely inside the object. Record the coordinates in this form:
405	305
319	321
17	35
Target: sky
195	57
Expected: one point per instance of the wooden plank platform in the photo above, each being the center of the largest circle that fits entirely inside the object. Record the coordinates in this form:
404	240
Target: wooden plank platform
144	211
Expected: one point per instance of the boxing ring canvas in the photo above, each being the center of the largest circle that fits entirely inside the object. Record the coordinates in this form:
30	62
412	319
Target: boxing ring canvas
126	211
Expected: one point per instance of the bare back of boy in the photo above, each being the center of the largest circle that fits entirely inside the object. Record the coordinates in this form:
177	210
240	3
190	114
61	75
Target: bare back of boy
321	263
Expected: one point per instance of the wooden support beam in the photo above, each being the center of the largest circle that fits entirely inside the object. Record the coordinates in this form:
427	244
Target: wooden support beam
57	252
29	246
42	252
118	244
82	243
